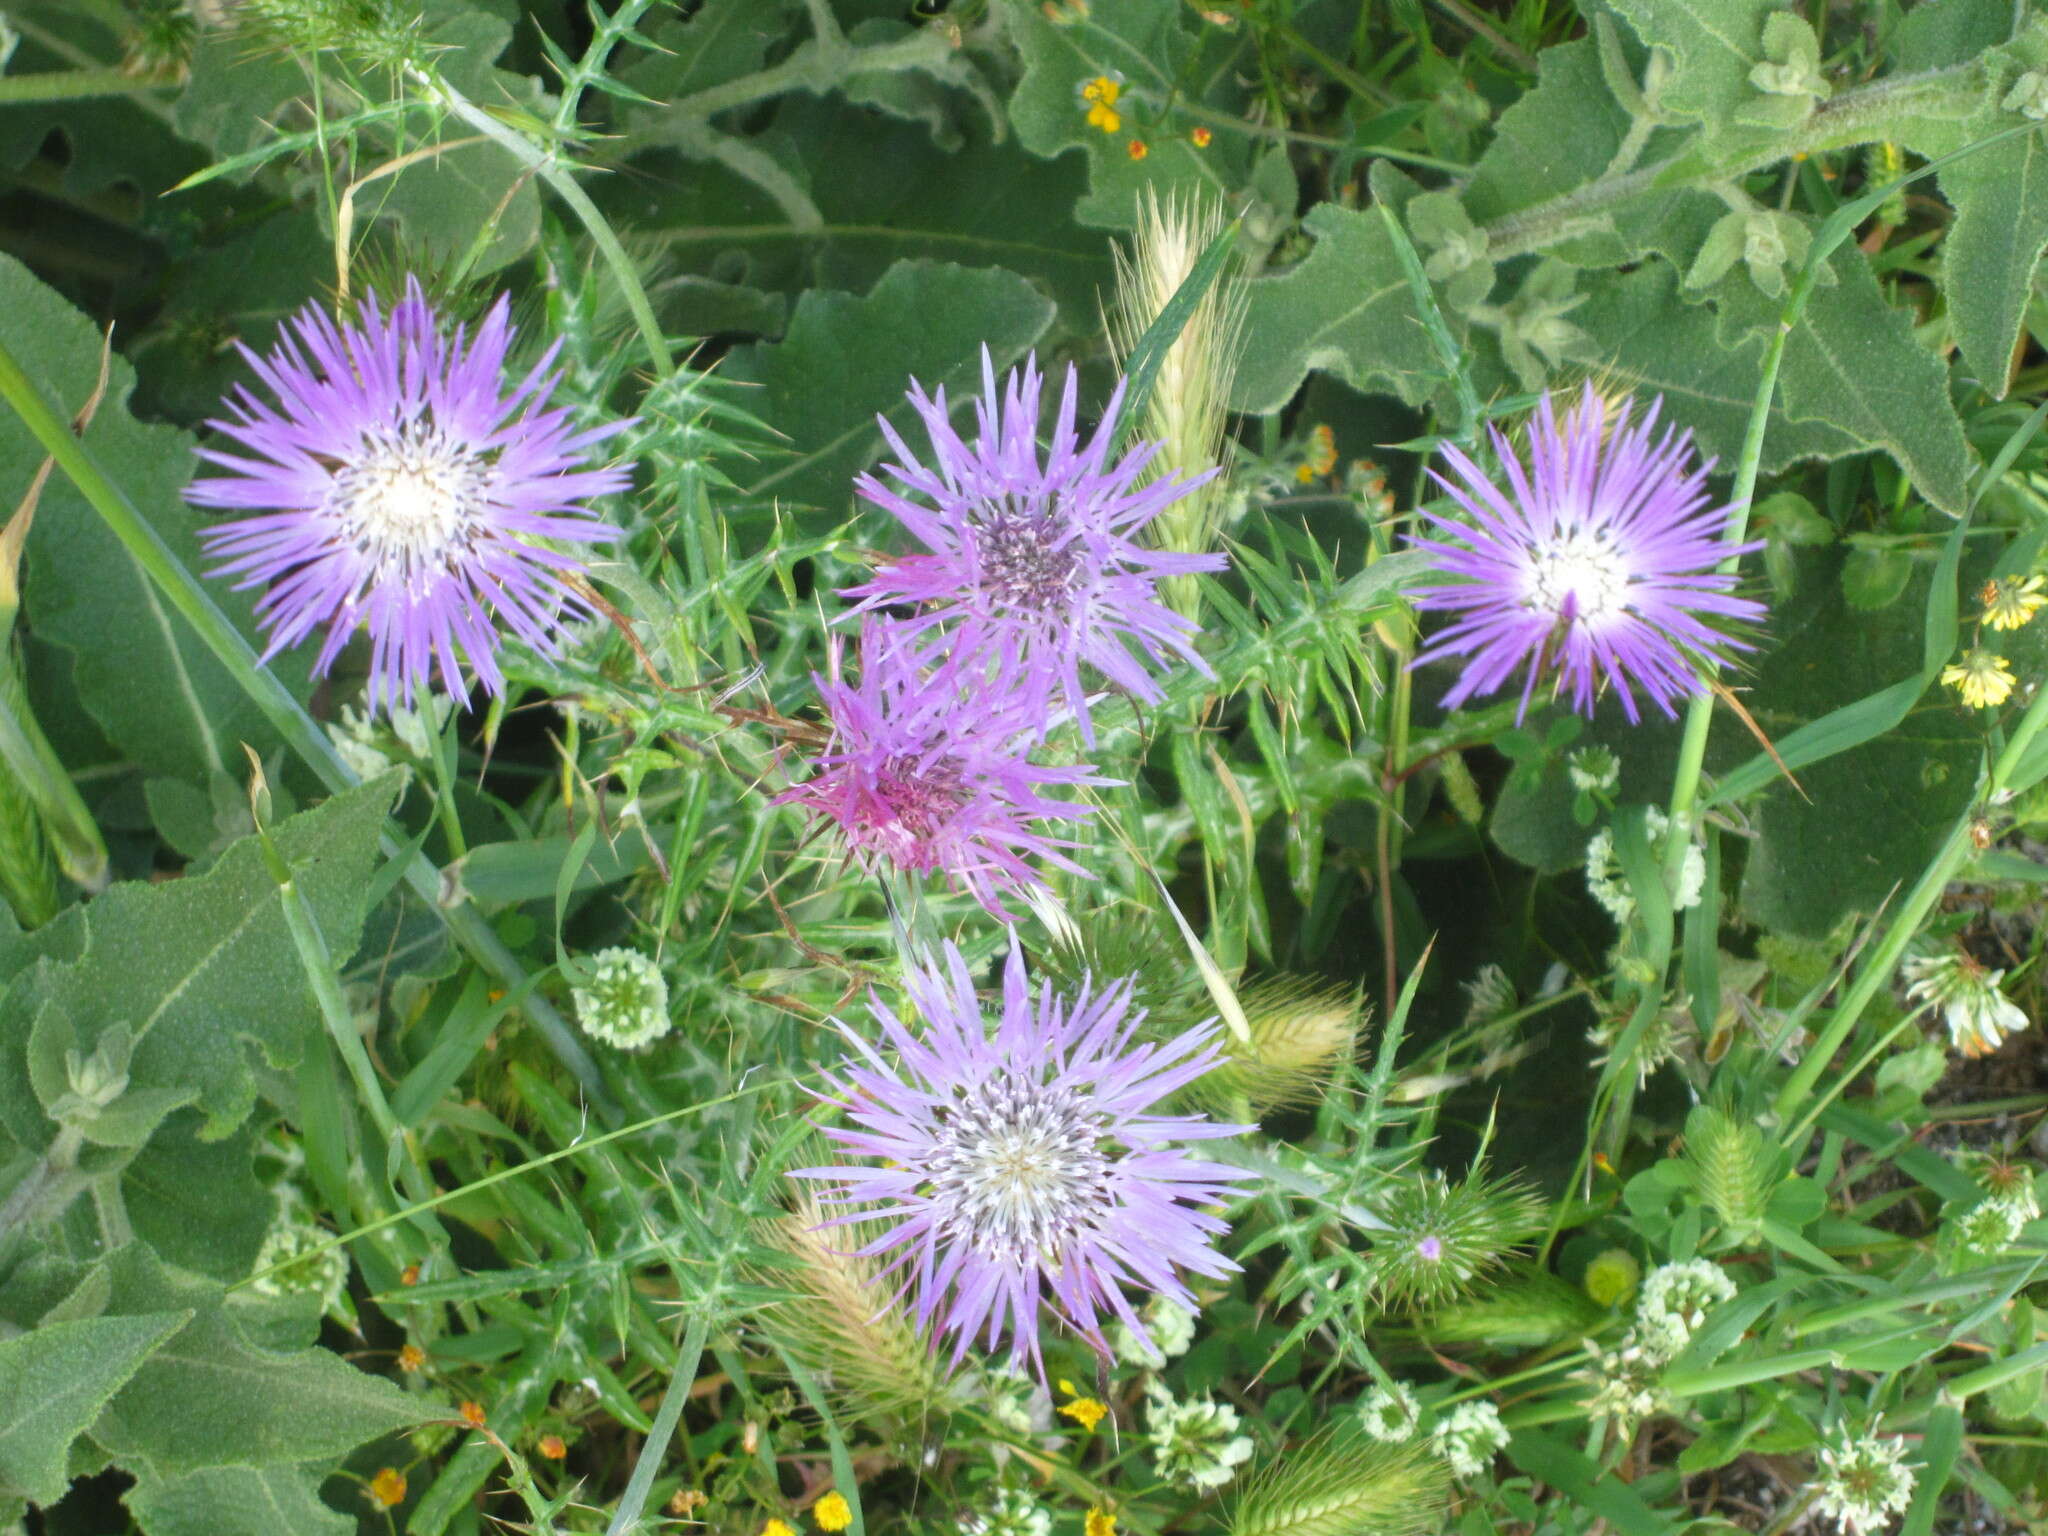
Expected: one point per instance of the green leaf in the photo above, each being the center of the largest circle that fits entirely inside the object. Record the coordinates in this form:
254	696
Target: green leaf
1875	575
208	1397
1346	309
53	1383
1165	70
199	1203
237	1501
148	681
1714	44
200	969
846	359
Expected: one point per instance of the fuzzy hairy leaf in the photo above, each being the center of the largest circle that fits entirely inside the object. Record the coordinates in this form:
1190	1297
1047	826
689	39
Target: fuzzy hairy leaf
237	1501
142	674
53	1382
846	359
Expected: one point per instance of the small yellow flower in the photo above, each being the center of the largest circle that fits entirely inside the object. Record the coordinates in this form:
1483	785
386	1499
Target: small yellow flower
553	1447
1322	449
777	1528
1100	1523
1101	94
473	1414
2010	602
1084	1411
387	1488
1982	678
1200	138
411	1358
832	1512
1139	149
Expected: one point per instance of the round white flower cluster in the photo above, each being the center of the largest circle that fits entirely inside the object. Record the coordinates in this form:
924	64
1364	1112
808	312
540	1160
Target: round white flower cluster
624	999
1390	1414
1469	1437
1605	880
1194	1443
1675	1300
1862	1483
1012	1512
1172	1330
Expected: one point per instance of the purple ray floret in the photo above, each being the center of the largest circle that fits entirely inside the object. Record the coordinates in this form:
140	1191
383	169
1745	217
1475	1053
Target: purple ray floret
1033	563
930	776
1594	564
1026	1163
402	483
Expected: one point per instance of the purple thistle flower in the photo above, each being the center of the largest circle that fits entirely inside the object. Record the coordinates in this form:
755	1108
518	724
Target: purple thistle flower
1024	1163
1032	564
1596	562
400	484
930	777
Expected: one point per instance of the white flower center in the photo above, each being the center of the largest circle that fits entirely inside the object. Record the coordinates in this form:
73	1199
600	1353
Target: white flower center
1580	577
1023	562
409	499
1019	1170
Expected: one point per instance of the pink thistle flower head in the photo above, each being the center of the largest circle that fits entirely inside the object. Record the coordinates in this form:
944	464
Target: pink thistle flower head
1593	563
1031	561
1027	1162
399	481
922	775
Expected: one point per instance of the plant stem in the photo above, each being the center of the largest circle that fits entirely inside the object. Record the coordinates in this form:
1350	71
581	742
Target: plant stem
626	1518
284	712
76	85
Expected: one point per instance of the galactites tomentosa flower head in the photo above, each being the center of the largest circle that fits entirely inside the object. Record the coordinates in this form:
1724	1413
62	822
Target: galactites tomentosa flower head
1032	563
1027	1162
1592	565
403	483
928	775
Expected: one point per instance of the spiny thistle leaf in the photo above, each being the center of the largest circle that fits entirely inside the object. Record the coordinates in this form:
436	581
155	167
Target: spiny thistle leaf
1343	1484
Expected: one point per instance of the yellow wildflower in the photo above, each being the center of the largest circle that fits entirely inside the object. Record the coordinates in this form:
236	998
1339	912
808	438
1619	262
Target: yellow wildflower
473	1414
1139	149
832	1512
1200	137
553	1447
1084	1411
387	1488
2010	602
411	1358
1983	679
777	1528
1101	94
1100	1523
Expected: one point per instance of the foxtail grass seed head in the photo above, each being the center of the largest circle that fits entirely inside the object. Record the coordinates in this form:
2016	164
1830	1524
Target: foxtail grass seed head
1027	1163
1390	1414
1339	1484
1301	1031
1863	1481
401	482
1977	1014
1031	563
1194	1441
1734	1168
1169	1330
622	999
1469	1437
927	771
1590	566
1188	408
1007	1512
846	1322
1675	1300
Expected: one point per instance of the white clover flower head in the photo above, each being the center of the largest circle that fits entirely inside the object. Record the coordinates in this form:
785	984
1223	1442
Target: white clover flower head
1608	886
1195	1442
1469	1437
357	739
623	1000
1990	1227
293	1242
1593	770
1863	1482
2004	1180
1171	1328
1624	1380
1977	1014
1390	1414
1675	1300
1009	1512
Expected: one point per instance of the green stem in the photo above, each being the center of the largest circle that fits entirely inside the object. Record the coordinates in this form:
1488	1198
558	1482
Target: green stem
76	85
626	1518
1877	971
564	185
299	730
